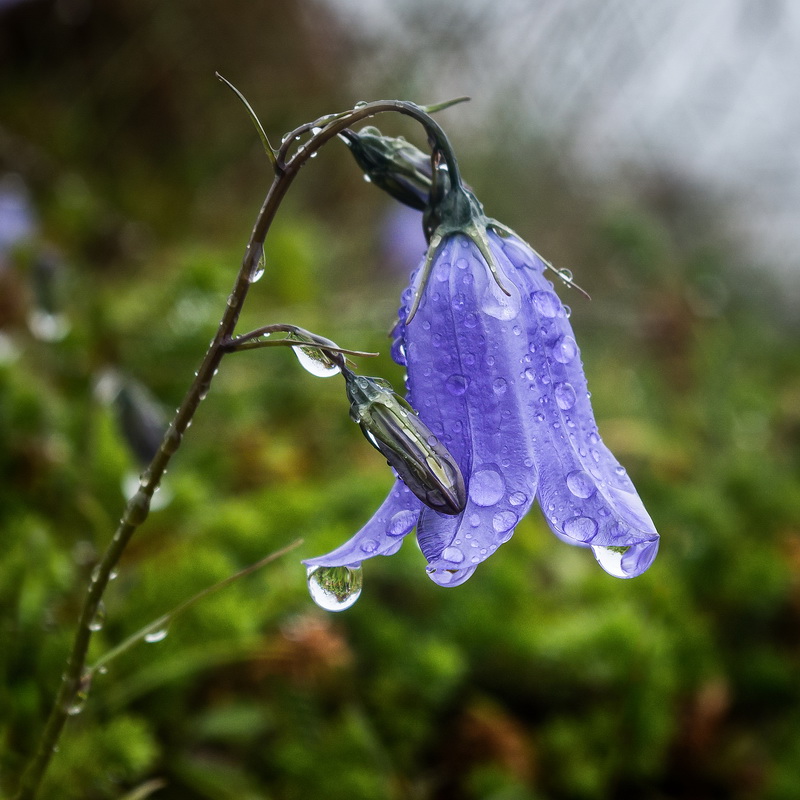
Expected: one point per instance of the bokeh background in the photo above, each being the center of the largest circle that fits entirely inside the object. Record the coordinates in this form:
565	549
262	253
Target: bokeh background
653	148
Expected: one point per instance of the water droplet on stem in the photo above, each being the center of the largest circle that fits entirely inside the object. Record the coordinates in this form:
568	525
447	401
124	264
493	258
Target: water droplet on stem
99	617
156	636
316	362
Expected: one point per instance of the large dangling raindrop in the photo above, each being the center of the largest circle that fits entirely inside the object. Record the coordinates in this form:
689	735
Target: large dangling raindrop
335	588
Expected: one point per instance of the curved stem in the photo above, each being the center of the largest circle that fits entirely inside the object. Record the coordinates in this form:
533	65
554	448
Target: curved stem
138	507
336	123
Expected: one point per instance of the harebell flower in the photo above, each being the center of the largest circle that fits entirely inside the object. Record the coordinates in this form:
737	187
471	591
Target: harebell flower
495	373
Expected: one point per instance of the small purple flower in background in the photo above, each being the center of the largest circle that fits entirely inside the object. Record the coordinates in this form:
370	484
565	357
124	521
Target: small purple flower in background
402	240
18	222
494	371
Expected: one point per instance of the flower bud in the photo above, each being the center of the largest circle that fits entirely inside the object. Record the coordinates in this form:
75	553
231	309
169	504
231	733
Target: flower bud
421	461
141	419
392	164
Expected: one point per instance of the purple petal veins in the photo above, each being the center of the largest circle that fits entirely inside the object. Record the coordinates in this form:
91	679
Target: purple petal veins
461	348
495	373
586	496
381	536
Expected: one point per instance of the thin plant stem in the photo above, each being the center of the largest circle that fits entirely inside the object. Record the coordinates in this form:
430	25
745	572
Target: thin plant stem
138	507
164	620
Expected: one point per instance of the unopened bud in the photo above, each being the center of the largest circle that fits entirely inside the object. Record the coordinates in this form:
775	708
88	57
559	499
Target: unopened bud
141	419
392	164
421	461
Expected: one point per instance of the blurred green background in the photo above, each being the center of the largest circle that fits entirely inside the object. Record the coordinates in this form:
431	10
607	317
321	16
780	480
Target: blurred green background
130	178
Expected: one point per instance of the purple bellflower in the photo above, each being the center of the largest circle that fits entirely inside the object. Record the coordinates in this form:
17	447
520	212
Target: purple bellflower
494	371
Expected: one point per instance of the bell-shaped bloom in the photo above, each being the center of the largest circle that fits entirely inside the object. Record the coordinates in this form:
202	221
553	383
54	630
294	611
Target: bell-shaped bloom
495	373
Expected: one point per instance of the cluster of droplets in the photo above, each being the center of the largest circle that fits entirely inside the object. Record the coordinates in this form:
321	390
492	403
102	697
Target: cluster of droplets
583	483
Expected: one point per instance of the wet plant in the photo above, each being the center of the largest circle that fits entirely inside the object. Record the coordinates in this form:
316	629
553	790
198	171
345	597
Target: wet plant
497	412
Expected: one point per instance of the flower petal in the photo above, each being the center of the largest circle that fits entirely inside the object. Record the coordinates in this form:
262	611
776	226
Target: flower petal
381	536
464	346
586	496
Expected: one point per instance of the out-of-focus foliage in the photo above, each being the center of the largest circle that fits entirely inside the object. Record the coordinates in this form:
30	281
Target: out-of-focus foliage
542	677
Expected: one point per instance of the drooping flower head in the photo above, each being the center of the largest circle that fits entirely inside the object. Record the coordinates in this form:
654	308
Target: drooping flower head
495	372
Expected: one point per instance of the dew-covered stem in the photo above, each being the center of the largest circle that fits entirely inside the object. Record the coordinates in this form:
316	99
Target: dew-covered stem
136	511
156	630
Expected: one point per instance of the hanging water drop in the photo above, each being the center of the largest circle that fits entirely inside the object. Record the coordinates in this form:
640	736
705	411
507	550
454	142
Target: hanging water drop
99	617
626	562
157	635
257	269
315	362
335	588
78	701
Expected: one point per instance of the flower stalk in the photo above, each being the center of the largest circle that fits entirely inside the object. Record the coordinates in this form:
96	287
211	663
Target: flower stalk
286	166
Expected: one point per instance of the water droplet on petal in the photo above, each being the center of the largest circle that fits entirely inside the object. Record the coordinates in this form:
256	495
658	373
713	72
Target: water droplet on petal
157	635
504	521
582	529
370	546
580	483
453	554
546	303
499	305
401	523
456	385
499	385
565	349
486	487
517	499
334	588
392	548
565	395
